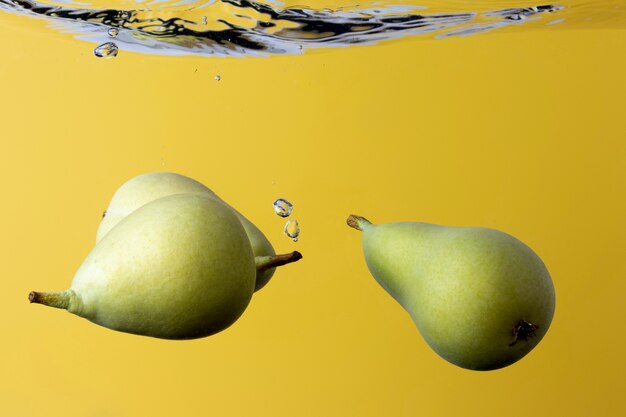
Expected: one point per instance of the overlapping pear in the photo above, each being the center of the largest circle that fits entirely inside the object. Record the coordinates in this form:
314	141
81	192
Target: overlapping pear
148	187
180	267
168	264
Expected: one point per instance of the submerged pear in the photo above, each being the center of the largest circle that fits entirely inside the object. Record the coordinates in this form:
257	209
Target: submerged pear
480	298
148	187
180	267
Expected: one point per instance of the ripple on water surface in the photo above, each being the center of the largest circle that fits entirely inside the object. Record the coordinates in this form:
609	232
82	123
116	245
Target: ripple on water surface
243	27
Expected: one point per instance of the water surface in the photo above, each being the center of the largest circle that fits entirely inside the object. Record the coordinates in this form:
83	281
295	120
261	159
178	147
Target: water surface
244	27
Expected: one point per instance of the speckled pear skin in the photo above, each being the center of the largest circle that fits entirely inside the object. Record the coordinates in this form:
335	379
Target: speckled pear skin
148	187
180	267
466	289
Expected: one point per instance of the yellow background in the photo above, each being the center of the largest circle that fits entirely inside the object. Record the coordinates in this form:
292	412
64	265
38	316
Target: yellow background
518	130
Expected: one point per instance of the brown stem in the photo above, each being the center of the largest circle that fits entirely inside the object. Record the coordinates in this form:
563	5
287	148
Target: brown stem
51	299
357	222
272	261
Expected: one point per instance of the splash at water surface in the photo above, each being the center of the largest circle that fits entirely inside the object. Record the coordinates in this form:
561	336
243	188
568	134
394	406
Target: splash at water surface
244	27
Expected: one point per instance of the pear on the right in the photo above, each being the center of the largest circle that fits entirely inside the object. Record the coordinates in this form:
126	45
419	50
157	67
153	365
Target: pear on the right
481	298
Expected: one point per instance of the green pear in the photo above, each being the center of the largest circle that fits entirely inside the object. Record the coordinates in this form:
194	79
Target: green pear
148	187
480	298
180	267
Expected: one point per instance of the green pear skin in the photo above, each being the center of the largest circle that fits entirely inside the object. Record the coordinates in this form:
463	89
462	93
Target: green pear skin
180	267
480	298
148	187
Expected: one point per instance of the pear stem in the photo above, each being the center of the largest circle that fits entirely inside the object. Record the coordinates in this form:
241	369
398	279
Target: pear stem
51	299
272	261
357	222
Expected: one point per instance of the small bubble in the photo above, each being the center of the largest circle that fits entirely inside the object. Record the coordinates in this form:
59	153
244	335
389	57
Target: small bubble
300	47
106	50
217	78
204	21
113	32
283	207
292	229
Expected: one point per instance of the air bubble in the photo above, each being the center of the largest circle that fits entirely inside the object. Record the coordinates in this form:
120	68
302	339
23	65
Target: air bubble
106	50
217	78
283	207
292	229
113	32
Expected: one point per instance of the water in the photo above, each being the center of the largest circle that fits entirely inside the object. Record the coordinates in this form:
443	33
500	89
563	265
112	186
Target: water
292	229
518	127
282	207
244	27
